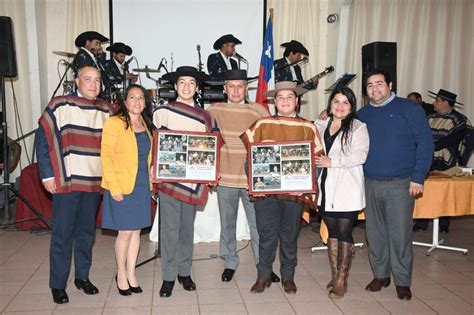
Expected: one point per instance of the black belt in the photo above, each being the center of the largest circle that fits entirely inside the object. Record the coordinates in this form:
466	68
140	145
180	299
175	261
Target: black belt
388	179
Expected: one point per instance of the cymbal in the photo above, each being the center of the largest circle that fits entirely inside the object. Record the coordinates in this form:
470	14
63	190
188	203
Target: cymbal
64	54
146	69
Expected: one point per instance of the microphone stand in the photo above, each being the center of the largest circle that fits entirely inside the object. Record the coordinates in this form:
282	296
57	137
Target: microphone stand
61	80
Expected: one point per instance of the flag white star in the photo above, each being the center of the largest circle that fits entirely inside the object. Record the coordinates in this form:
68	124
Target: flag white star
268	51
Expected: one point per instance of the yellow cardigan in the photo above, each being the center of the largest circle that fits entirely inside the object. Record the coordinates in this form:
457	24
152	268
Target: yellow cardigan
119	156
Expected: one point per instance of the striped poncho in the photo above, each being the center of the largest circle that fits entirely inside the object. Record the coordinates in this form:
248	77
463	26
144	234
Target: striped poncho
73	129
278	128
449	130
182	117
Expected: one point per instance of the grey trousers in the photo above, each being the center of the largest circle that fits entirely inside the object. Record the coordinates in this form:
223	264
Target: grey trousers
228	200
176	236
389	217
278	220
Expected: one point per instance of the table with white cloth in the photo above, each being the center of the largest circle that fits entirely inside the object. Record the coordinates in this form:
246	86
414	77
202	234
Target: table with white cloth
207	226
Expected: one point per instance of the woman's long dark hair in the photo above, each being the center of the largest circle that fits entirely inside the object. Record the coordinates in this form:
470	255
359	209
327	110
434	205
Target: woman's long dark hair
346	124
147	111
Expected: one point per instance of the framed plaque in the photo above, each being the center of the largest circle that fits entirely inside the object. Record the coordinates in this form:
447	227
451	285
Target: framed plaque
281	167
186	156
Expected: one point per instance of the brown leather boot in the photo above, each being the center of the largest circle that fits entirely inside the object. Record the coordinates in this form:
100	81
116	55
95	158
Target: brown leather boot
339	288
332	254
260	285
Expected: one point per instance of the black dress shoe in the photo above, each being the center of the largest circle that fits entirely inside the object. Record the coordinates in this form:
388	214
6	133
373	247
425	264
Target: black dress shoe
59	296
444	229
187	282
274	278
403	293
86	286
135	289
417	228
227	275
166	288
125	292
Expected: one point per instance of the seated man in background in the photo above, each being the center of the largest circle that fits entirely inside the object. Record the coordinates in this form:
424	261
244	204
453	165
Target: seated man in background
448	127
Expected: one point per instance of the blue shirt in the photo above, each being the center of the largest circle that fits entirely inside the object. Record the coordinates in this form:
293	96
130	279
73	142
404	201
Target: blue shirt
401	144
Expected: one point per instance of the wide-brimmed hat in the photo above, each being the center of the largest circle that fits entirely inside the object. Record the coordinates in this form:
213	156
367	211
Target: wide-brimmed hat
89	35
286	85
119	47
237	74
295	47
228	38
185	71
446	95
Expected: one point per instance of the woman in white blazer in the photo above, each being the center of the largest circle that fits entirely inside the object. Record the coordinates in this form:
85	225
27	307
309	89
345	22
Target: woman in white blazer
346	144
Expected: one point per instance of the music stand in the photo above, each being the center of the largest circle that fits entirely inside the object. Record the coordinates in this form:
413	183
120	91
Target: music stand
6	185
345	80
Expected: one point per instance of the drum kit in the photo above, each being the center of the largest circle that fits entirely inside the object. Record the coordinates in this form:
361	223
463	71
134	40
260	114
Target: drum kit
114	93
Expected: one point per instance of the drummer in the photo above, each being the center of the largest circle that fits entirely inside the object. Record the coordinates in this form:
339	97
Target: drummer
117	68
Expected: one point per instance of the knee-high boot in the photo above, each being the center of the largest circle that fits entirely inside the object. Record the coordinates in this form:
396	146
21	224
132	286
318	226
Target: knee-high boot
339	288
332	255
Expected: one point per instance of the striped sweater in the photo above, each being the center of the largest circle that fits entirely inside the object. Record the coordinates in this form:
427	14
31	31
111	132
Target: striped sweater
182	117
233	119
73	130
279	128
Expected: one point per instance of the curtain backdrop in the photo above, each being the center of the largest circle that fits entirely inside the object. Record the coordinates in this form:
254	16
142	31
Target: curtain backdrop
434	44
304	21
86	15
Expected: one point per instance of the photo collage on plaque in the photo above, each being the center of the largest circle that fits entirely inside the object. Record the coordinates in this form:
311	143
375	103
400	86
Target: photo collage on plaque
284	167
187	157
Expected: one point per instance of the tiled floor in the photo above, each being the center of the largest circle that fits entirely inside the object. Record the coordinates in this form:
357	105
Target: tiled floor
443	283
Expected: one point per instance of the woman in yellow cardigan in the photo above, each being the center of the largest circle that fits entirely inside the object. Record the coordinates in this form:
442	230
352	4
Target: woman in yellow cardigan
126	158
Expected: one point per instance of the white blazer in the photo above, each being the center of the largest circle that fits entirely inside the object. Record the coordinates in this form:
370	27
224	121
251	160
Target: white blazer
345	190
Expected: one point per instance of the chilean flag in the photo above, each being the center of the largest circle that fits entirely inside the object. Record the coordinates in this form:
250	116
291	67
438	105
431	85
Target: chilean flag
266	65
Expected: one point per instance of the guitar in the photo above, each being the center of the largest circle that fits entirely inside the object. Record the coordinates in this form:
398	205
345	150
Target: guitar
309	83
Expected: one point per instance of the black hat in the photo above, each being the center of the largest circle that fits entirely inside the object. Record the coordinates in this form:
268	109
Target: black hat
120	48
185	71
229	38
446	95
89	35
295	47
237	74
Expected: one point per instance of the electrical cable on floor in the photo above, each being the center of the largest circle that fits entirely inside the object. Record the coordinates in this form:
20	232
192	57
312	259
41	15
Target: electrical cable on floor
215	256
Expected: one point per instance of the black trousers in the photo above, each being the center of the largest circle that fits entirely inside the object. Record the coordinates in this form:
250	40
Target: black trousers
73	223
277	220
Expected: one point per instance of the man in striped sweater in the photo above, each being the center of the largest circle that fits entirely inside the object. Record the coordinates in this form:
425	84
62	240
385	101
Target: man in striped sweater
68	153
233	118
179	201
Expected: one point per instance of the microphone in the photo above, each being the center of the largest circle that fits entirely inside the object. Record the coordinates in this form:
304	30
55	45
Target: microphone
128	61
161	65
236	55
198	47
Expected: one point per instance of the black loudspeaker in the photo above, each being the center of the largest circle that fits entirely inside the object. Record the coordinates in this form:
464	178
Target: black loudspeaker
383	56
7	48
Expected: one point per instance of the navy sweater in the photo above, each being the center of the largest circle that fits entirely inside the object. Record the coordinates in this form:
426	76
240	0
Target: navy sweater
401	144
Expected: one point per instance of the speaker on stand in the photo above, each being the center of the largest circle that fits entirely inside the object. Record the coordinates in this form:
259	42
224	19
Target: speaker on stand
382	56
8	69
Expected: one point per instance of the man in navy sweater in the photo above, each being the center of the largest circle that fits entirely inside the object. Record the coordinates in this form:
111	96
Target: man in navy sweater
401	148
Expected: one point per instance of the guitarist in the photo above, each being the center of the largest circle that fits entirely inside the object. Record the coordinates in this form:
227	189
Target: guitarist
287	68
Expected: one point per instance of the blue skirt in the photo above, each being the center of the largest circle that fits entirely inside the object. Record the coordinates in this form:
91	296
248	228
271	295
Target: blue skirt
134	212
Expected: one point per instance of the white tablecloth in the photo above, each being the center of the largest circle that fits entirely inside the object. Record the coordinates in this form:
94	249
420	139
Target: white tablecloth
207	225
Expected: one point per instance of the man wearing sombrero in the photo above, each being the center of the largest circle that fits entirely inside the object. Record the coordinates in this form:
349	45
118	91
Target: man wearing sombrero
179	201
90	48
221	61
287	68
116	68
448	127
278	216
